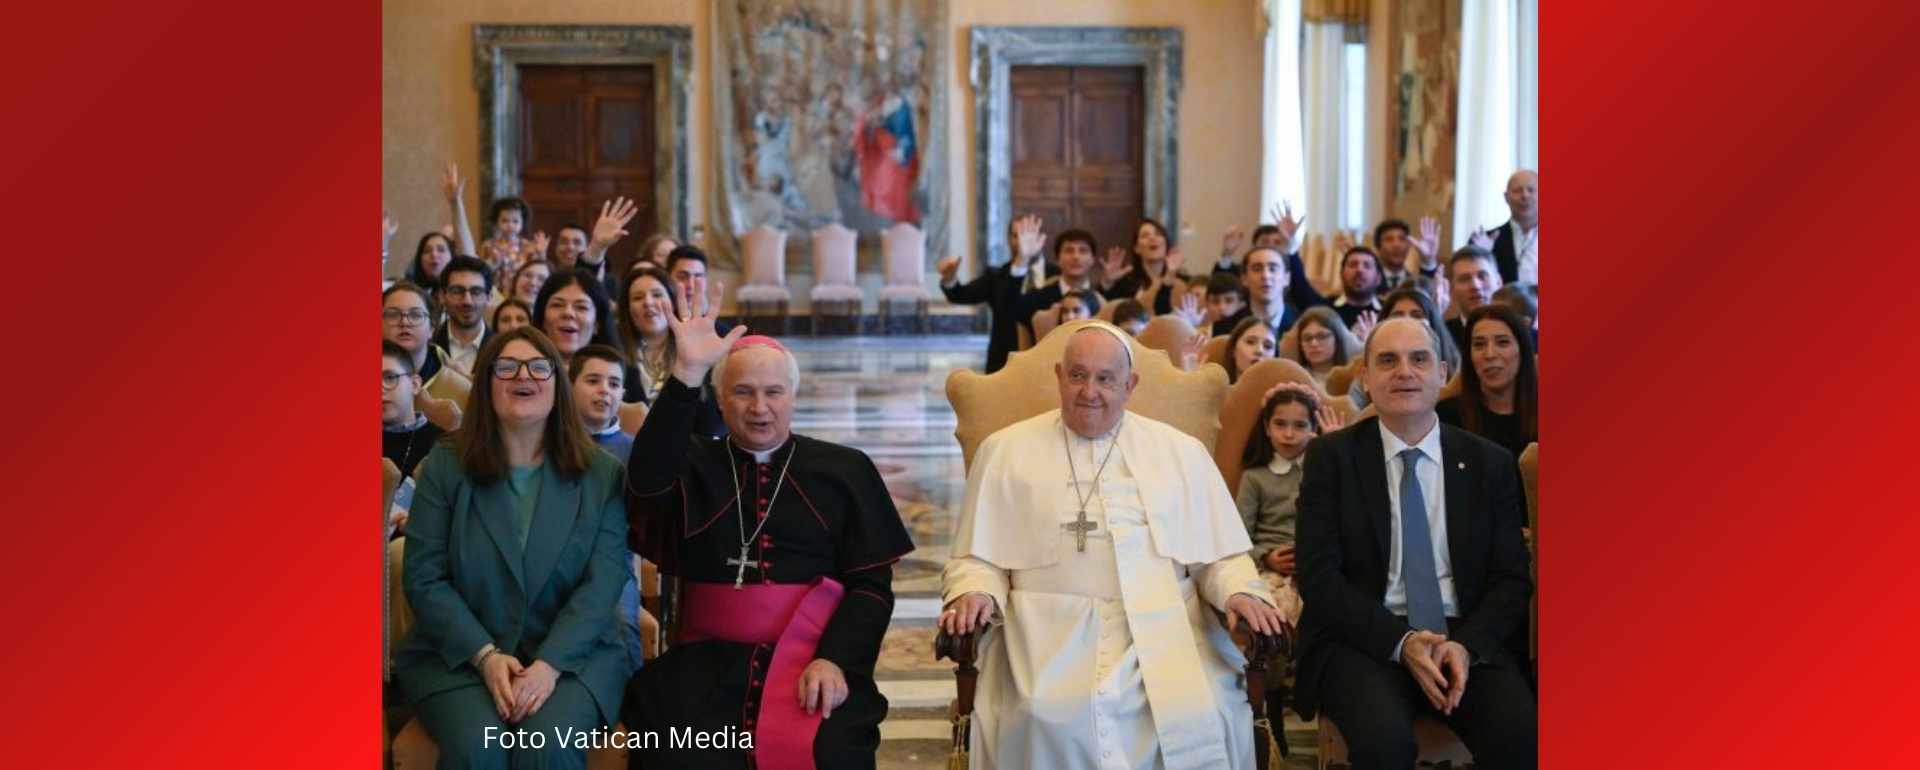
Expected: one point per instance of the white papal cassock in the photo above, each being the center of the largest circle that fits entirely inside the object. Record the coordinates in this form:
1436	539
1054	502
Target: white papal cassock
1105	658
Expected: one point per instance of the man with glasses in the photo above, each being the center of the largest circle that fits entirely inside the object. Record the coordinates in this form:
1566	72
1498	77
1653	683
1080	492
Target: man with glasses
406	435
464	288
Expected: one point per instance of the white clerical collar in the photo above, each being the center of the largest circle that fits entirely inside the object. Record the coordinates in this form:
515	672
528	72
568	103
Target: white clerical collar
1280	466
759	455
1393	446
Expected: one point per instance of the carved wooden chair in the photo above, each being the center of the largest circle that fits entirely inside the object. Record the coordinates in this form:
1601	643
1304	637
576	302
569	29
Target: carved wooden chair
1216	351
1341	380
1189	401
631	416
448	384
1044	321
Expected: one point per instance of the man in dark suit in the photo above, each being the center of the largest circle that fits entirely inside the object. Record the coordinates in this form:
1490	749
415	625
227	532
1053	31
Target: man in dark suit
1472	278
1265	276
1300	292
999	288
464	287
687	265
1073	255
1413	572
1516	244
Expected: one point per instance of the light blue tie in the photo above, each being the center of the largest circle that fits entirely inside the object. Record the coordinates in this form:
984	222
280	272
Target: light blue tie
1424	610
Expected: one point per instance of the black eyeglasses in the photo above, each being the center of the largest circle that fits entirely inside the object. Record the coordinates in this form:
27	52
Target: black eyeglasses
404	317
476	292
509	368
388	380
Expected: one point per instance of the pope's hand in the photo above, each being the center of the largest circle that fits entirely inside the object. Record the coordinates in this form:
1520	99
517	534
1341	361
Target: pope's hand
967	614
1258	615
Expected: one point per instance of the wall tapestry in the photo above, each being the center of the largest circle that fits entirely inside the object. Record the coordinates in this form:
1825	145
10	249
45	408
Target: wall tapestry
830	111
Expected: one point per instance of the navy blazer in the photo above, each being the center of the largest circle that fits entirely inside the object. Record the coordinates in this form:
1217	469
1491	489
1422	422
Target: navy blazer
469	583
1345	537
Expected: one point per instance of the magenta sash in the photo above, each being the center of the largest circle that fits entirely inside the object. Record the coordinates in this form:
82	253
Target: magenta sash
789	617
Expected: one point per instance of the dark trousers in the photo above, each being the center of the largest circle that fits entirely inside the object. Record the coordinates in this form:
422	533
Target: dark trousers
1374	702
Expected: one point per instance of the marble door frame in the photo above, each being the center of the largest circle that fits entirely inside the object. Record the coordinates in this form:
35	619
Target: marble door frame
995	49
499	50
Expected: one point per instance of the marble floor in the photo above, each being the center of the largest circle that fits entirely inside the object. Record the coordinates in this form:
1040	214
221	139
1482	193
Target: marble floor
887	397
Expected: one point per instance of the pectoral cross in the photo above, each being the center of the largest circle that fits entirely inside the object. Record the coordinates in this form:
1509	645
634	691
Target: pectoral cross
1080	527
740	575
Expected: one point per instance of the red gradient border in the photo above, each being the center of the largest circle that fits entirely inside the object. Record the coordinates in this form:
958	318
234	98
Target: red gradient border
192	192
1726	544
1727	550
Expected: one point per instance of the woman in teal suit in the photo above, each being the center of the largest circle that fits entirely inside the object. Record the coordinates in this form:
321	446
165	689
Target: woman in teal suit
516	553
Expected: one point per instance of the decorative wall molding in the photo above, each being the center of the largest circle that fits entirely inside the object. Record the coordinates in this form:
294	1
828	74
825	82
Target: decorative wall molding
995	49
499	50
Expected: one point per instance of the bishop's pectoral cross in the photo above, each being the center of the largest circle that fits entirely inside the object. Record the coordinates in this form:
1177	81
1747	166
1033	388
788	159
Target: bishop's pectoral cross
740	575
1080	526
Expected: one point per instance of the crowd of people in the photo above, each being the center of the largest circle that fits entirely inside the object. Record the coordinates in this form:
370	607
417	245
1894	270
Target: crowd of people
554	417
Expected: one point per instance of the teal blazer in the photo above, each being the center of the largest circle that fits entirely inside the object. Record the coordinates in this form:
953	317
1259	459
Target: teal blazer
469	582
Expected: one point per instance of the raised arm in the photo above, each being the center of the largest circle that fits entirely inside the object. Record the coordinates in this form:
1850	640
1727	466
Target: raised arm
972	292
455	189
609	229
660	446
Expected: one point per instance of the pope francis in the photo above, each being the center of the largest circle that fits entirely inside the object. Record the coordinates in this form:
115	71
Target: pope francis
1092	542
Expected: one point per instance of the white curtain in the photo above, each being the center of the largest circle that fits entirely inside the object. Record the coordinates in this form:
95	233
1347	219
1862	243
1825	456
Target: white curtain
1283	172
1499	108
1333	187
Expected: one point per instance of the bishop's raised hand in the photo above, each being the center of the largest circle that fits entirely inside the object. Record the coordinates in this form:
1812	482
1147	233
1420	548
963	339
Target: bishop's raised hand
696	347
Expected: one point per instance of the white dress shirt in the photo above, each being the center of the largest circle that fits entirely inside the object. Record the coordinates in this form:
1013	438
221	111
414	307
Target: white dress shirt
460	355
1526	253
1036	272
1433	489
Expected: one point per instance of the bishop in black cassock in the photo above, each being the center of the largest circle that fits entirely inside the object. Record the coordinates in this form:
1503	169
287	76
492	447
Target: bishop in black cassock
815	583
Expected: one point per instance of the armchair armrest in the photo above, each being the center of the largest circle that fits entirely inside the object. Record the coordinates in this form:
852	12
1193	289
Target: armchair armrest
960	649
